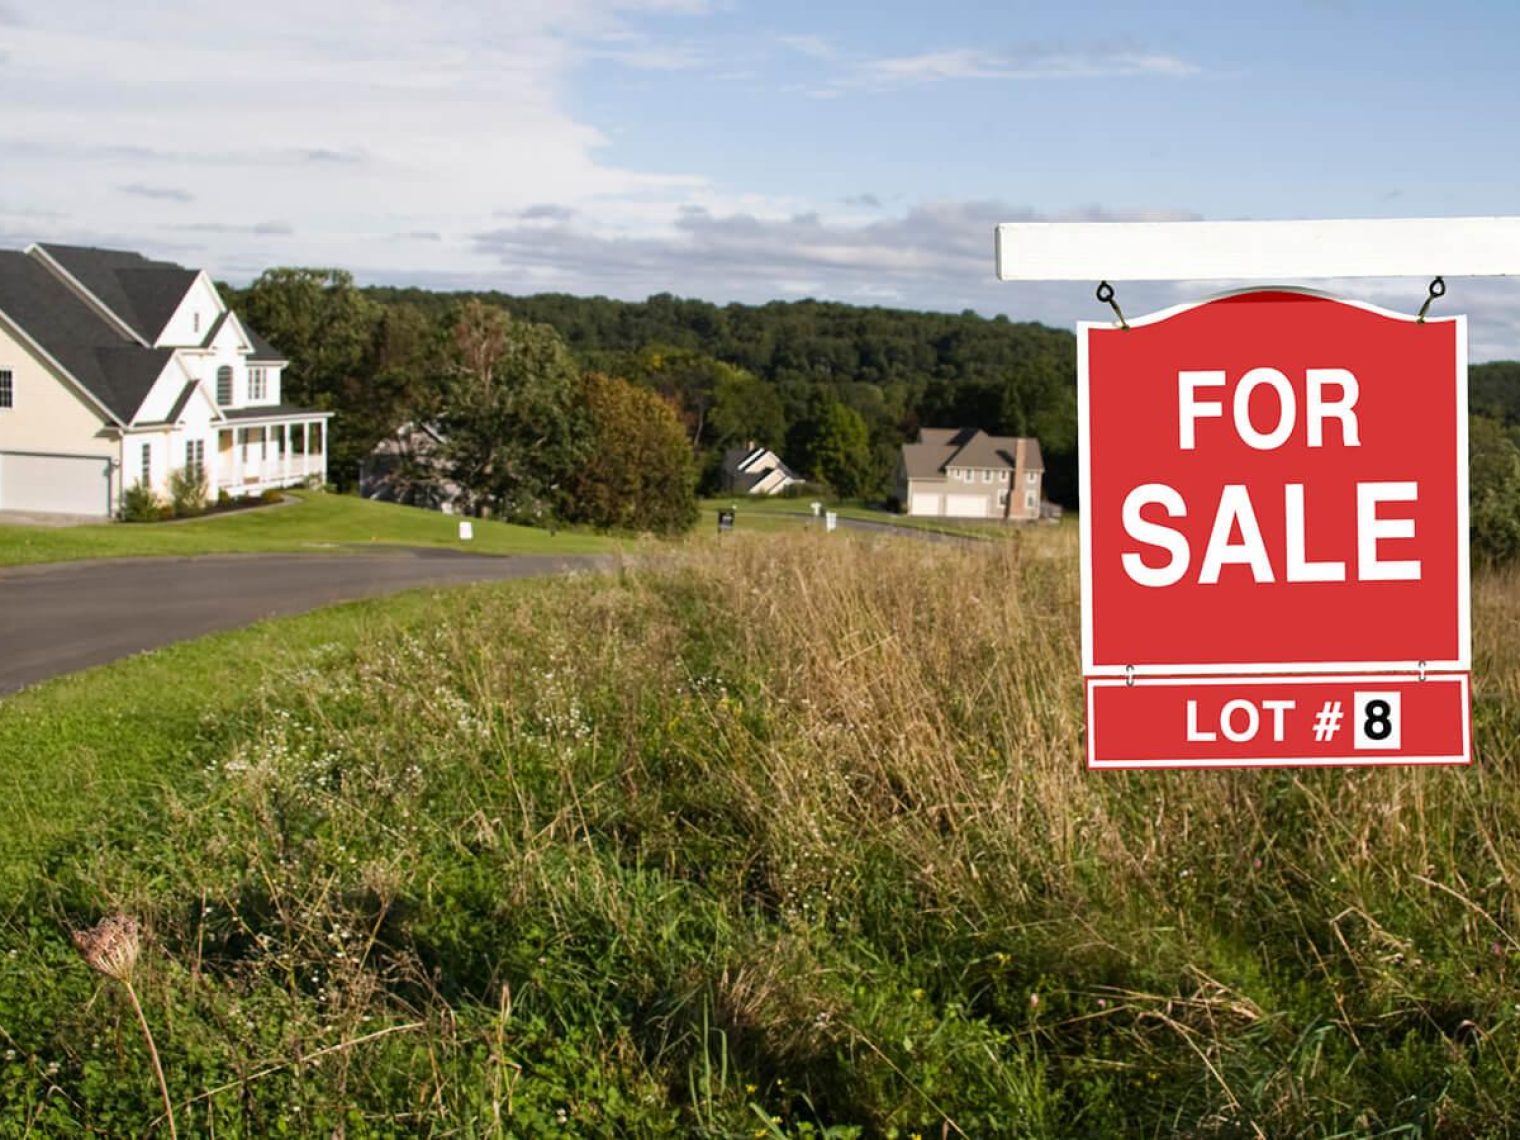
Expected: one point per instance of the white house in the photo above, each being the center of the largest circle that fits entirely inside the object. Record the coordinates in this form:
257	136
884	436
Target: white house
756	470
115	369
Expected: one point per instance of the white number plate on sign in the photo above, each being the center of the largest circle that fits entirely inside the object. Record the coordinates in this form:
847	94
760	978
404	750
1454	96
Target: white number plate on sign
1376	718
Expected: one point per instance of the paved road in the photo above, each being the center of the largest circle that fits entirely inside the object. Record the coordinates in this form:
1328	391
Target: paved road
62	617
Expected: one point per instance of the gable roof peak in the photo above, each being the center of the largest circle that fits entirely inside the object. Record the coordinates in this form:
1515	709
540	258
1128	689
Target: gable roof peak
138	292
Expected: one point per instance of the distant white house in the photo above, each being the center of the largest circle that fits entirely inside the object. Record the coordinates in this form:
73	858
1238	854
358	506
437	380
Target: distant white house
756	470
115	370
966	473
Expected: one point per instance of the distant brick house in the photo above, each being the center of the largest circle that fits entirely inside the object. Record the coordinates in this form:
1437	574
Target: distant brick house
966	473
755	470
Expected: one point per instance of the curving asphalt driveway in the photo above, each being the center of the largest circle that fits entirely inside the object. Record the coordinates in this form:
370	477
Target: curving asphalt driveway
60	617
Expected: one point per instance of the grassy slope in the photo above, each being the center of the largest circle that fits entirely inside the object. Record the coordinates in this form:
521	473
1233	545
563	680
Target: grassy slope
117	738
315	521
671	854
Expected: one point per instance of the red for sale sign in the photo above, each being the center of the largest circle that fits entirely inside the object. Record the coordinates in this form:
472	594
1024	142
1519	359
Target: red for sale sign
1274	482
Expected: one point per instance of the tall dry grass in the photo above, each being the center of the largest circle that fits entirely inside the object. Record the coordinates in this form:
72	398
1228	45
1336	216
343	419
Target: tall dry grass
796	835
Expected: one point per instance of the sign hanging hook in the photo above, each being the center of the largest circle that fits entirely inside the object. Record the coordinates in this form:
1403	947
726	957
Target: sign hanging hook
1105	296
1437	289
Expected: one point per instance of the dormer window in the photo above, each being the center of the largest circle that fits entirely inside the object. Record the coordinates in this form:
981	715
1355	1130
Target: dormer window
258	385
224	385
196	317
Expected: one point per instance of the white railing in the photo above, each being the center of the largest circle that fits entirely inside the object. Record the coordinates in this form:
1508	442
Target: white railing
237	477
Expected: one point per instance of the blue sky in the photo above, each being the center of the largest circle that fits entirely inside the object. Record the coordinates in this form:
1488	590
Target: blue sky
738	150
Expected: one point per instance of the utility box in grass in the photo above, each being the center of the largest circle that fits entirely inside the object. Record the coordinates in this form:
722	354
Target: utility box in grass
725	520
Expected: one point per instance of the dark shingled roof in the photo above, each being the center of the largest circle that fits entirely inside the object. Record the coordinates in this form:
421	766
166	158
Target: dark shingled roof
141	292
983	450
927	460
938	448
1033	460
113	368
263	351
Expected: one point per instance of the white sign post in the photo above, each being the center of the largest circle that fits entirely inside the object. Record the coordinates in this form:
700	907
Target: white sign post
1258	251
830	521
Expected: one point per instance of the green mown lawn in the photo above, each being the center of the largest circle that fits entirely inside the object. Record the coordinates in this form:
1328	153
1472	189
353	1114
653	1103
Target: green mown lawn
118	738
774	513
314	521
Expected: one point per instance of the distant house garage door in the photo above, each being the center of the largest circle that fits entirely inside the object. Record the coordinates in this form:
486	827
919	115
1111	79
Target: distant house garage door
923	504
966	506
58	484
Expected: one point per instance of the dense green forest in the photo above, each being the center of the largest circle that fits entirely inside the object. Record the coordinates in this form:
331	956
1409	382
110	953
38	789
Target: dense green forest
792	375
835	388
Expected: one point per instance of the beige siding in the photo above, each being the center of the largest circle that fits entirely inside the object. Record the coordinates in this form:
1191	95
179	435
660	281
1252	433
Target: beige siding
49	415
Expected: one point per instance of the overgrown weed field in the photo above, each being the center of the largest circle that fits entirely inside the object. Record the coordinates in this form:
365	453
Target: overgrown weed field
773	837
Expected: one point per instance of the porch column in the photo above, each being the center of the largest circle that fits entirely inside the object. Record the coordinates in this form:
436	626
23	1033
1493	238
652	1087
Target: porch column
284	453
322	438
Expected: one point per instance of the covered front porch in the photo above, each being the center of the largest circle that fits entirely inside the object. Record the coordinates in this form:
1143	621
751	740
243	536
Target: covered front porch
256	453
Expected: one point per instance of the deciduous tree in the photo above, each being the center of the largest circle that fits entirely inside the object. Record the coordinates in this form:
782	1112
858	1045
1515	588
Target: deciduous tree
640	473
842	452
505	412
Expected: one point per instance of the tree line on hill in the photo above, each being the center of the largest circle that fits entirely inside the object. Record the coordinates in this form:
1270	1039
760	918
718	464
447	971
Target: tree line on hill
1493	443
616	412
834	388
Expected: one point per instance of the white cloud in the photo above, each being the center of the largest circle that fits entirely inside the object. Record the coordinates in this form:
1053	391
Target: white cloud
351	121
1100	61
815	47
158	193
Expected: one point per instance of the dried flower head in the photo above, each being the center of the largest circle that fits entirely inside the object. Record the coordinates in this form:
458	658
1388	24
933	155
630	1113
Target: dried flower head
111	946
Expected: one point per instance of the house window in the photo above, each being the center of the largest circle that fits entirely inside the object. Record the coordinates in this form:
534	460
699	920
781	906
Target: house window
986	476
1002	476
1002	498
147	464
196	317
224	385
1029	502
258	384
195	458
1031	478
7	388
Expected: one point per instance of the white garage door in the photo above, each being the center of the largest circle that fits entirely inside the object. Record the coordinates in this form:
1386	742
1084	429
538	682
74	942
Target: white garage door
923	504
966	506
59	484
